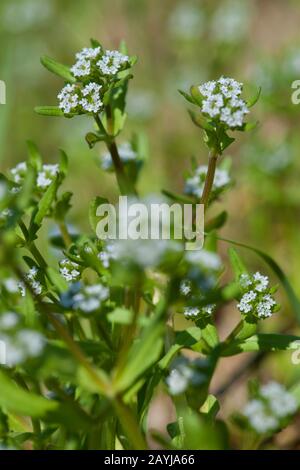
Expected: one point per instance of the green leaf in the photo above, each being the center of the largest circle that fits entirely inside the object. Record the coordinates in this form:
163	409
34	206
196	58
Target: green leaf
183	339
255	98
50	111
46	202
248	126
58	69
200	121
95	203
57	280
177	197
199	434
198	98
122	316
19	401
119	120
62	206
189	98
209	334
225	141
217	222
95	43
263	342
210	407
63	165
92	139
237	264
35	158
144	352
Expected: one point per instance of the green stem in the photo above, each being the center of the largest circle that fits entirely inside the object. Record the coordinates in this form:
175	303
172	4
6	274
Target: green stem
209	180
65	234
124	183
129	425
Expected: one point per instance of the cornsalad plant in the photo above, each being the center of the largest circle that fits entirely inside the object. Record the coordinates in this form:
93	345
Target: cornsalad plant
89	341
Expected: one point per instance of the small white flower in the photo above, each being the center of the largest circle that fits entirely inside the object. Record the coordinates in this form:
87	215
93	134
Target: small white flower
191	312
90	298
68	99
82	68
88	53
195	184
111	62
262	282
222	101
207	88
126	152
176	382
22	289
91	101
8	320
31	341
47	175
18	172
245	304
273	405
69	270
245	280
207	259
185	287
281	402
259	418
11	285
264	308
25	344
35	285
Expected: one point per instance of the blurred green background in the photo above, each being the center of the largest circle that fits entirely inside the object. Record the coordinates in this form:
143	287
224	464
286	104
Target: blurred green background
179	43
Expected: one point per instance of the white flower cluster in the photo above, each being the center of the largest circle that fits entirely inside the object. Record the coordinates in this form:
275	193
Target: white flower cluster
184	374
222	101
83	65
273	405
35	284
112	62
257	299
194	185
90	298
92	64
11	285
145	253
18	173
5	214
204	258
107	254
69	270
8	320
126	152
194	312
73	98
47	175
21	346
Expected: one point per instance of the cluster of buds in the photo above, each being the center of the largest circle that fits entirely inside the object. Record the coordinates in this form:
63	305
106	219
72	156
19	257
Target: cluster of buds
45	176
85	298
194	185
270	409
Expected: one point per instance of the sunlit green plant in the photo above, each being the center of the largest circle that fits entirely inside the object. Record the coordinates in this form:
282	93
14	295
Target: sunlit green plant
89	340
